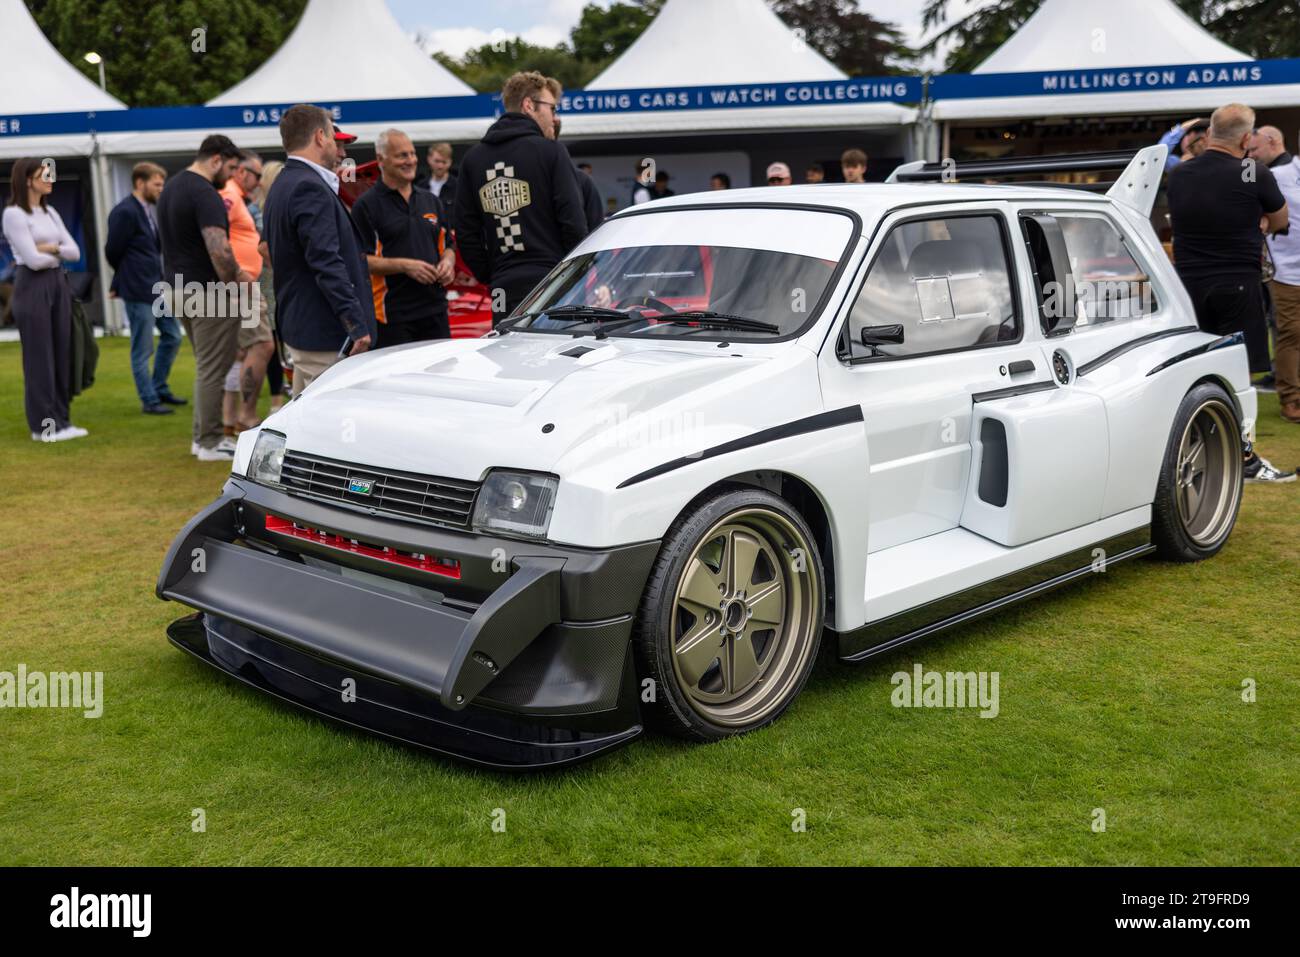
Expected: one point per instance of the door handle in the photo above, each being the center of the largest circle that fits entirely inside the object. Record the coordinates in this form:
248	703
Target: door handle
1021	366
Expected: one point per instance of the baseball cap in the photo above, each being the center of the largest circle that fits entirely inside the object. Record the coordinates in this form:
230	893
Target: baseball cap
344	138
777	169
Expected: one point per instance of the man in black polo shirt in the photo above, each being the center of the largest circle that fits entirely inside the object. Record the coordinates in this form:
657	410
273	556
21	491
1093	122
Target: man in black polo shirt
408	247
1218	204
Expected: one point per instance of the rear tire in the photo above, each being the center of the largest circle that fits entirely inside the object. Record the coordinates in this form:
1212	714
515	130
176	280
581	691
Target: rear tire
1199	492
731	619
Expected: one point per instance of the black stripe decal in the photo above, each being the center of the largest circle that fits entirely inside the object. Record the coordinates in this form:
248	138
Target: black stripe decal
1222	342
1012	390
812	423
1101	360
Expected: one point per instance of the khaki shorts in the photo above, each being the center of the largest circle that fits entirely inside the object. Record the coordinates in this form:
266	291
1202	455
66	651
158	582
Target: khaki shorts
308	366
250	334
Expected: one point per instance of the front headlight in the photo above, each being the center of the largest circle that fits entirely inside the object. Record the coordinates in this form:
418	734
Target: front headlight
518	503
267	458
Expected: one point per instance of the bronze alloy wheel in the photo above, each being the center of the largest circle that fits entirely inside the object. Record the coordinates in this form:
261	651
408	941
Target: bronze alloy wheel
745	617
1207	473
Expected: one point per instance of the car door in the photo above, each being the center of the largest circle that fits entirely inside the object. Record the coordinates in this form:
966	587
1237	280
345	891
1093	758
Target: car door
1121	309
941	306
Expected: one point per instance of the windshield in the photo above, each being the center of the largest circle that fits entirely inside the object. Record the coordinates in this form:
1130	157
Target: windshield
723	273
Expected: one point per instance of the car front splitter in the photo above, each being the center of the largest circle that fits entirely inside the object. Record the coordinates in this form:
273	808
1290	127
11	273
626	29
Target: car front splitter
478	736
531	668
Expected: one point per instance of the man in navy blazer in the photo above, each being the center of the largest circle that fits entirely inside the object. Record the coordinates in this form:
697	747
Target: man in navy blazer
135	253
324	309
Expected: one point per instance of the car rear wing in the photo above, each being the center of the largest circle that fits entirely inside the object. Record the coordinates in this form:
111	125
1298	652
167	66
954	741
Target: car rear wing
1136	186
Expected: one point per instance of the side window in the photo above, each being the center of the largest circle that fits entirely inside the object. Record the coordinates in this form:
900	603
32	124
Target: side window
936	285
1108	280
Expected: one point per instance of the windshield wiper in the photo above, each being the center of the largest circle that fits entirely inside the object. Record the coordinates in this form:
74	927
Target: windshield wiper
708	319
578	311
600	315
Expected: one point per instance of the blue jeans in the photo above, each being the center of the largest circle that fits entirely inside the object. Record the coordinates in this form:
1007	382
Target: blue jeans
140	315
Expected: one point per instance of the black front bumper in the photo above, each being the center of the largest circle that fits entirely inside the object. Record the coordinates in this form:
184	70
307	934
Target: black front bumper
523	660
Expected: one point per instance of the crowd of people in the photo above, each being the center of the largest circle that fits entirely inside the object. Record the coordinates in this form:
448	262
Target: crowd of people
275	279
1229	195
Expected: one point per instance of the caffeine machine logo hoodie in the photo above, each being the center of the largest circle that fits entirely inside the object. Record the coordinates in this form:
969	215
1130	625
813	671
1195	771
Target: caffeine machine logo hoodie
518	206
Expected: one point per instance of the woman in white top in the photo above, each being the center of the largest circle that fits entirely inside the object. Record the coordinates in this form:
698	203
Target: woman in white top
42	302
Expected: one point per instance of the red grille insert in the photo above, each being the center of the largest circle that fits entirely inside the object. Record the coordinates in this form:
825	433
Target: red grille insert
446	567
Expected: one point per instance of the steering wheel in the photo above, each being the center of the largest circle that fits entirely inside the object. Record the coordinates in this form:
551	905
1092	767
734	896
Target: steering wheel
646	302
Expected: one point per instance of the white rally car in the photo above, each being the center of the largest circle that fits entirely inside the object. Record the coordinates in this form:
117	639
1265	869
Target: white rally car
720	430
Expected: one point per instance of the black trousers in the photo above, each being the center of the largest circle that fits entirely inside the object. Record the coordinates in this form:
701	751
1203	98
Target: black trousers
42	305
510	295
1227	304
426	330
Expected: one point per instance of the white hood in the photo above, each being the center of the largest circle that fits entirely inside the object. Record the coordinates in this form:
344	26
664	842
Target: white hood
459	408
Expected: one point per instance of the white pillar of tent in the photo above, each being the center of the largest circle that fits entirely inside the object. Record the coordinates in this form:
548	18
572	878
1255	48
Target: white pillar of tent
99	206
925	134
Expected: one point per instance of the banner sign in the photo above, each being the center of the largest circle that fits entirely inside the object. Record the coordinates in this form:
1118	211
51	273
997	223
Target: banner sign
150	118
476	106
1188	76
891	89
882	89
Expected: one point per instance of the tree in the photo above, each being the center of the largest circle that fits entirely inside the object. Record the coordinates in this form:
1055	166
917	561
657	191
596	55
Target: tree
978	34
602	34
486	68
150	48
848	36
1261	28
1266	29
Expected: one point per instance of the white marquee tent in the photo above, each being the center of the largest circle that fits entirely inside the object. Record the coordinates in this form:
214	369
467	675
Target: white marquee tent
1106	35
345	50
722	42
340	50
35	78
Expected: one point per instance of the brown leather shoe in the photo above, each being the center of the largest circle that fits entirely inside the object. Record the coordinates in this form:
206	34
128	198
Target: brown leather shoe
1292	412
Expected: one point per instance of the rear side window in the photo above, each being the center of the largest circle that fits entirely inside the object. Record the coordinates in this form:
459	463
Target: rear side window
945	283
1109	282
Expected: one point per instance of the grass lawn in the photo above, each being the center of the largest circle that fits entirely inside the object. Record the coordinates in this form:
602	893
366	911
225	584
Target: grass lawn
1123	693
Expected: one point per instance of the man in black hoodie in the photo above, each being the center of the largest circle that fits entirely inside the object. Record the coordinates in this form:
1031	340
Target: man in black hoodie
518	206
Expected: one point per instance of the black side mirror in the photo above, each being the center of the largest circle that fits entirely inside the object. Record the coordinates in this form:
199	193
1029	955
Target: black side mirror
873	336
882	335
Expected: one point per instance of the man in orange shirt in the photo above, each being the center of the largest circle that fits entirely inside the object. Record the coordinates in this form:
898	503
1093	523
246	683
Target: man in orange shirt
255	341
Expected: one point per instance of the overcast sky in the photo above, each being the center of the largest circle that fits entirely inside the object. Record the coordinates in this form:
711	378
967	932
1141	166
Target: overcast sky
455	27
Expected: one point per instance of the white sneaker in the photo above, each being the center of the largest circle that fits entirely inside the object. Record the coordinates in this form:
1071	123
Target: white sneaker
194	448
214	455
1265	471
227	444
68	432
76	431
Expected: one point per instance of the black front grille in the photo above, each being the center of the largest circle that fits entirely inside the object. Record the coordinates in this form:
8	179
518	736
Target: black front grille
426	498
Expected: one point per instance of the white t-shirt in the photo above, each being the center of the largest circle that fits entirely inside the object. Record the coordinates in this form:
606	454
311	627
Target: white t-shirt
1286	249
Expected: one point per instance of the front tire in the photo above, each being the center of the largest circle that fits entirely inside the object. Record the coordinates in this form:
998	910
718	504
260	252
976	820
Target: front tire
1200	486
732	616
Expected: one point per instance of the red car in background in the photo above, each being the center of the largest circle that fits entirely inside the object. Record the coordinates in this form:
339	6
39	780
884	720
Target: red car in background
469	302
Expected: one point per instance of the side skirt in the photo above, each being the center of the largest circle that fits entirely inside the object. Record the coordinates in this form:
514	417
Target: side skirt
880	637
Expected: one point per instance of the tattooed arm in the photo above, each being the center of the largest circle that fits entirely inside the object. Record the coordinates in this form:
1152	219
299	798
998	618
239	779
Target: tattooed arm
222	256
